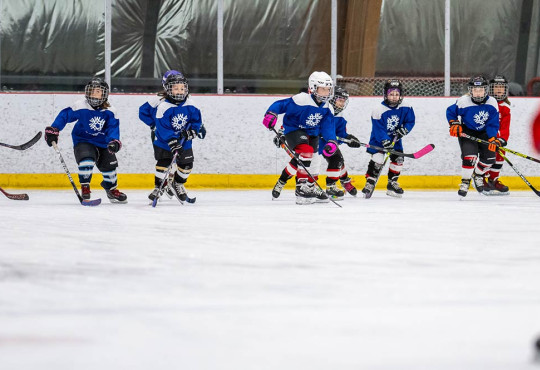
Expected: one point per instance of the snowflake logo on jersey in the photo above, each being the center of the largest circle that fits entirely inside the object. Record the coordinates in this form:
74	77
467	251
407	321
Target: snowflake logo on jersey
97	123
314	119
179	121
392	123
480	118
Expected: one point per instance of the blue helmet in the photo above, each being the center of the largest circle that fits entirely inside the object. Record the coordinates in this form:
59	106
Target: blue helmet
172	72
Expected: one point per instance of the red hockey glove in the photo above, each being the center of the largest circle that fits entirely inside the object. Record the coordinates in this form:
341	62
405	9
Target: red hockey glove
455	128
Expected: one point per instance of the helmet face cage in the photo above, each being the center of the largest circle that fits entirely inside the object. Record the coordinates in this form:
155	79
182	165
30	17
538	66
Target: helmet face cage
320	79
96	92
391	85
176	80
498	81
478	82
339	94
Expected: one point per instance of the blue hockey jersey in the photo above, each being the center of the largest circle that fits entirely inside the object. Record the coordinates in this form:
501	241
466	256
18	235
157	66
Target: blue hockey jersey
97	127
386	120
303	113
172	119
477	117
147	111
340	124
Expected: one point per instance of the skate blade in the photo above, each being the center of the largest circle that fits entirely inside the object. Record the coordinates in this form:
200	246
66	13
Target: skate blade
392	194
304	201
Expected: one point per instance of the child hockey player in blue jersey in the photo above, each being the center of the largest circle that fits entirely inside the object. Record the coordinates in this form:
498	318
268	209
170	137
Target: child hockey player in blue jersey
96	138
479	118
307	115
147	111
391	121
336	164
177	123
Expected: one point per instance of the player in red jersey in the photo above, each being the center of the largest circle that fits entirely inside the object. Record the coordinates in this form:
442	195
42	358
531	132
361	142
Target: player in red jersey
498	88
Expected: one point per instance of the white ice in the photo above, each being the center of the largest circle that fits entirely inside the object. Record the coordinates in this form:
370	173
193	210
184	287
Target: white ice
237	281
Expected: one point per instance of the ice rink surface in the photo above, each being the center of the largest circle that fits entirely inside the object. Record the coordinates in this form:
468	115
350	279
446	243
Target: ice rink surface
237	281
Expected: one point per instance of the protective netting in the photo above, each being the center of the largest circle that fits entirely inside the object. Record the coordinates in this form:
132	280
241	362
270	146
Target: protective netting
412	86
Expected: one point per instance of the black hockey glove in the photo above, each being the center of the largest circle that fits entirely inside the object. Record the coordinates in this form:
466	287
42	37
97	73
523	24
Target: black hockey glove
352	141
114	146
402	131
387	144
189	134
175	147
51	134
153	132
279	140
502	141
202	132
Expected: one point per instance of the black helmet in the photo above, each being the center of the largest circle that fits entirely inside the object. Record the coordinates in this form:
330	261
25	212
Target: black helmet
96	85
498	80
391	85
339	93
475	82
175	79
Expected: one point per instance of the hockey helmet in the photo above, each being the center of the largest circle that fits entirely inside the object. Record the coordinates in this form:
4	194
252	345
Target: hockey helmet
171	72
390	86
173	93
478	82
339	94
96	92
320	79
498	87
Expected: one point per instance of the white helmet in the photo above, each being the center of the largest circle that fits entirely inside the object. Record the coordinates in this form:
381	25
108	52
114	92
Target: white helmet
320	79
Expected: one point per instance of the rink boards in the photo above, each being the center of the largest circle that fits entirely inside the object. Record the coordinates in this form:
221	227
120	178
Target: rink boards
238	151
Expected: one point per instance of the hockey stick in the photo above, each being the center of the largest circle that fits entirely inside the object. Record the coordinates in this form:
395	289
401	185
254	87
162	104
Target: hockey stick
419	154
84	202
518	172
290	152
14	196
25	145
501	148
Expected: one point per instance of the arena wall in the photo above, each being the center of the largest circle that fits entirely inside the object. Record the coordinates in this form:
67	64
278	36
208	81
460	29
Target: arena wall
238	150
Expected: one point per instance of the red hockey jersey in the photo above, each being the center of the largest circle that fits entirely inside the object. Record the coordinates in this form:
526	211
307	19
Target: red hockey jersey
504	118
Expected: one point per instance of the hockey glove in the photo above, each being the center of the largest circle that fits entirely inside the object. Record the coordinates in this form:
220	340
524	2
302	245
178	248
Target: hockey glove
175	147
153	132
202	132
279	140
455	128
270	120
51	134
502	141
114	146
402	131
352	141
330	148
494	143
189	134
387	144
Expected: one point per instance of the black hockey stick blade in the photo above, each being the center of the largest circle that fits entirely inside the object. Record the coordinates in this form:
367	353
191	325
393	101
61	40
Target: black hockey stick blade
14	196
24	146
191	200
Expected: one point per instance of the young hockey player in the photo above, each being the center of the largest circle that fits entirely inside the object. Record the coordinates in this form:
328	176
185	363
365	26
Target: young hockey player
307	115
391	120
498	88
178	122
336	166
479	115
147	111
96	138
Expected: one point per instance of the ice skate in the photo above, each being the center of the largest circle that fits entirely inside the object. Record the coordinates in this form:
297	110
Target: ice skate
333	192
393	189
369	188
319	194
85	191
276	192
348	186
478	181
498	188
304	193
178	190
155	194
116	196
464	187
